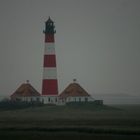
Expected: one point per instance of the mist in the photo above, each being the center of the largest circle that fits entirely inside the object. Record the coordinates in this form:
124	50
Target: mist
97	42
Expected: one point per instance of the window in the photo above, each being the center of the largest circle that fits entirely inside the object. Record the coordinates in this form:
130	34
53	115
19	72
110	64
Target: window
86	99
55	99
42	100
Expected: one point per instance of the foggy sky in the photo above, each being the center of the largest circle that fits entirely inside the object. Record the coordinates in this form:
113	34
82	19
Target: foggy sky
97	42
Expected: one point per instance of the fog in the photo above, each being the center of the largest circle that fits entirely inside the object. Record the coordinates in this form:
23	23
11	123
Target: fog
97	42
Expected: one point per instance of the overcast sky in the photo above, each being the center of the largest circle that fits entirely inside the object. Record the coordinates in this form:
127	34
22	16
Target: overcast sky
97	42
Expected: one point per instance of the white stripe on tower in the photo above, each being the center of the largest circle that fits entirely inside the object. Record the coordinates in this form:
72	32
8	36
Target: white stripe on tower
50	73
49	48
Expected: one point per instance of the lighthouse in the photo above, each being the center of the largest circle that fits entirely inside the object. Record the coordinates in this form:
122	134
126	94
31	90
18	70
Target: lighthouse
73	93
49	83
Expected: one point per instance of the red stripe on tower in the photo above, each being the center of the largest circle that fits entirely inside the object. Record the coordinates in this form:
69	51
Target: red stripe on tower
49	84
49	38
49	61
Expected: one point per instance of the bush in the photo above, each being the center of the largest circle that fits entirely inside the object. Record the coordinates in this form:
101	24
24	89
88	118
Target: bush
11	105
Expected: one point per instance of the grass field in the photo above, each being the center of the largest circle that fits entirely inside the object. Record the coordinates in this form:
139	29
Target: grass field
79	122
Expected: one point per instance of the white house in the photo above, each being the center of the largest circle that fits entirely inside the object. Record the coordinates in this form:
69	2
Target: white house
73	93
26	92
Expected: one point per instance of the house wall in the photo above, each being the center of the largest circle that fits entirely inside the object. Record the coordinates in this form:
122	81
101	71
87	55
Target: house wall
62	101
77	99
50	99
56	100
29	98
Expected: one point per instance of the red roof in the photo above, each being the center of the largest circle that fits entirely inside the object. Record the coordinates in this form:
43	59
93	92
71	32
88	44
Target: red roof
74	89
24	90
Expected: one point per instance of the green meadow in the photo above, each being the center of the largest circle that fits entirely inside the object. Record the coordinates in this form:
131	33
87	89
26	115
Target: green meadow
72	121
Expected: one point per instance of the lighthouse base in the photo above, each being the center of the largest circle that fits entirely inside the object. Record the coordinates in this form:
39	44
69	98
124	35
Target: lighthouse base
51	99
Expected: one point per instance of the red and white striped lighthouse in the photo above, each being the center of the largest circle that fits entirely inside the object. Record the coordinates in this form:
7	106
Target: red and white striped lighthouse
49	84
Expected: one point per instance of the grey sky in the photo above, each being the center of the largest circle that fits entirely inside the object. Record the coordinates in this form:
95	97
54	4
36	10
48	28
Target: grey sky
97	42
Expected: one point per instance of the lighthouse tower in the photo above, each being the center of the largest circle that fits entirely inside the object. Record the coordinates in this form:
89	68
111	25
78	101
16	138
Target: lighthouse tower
49	84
